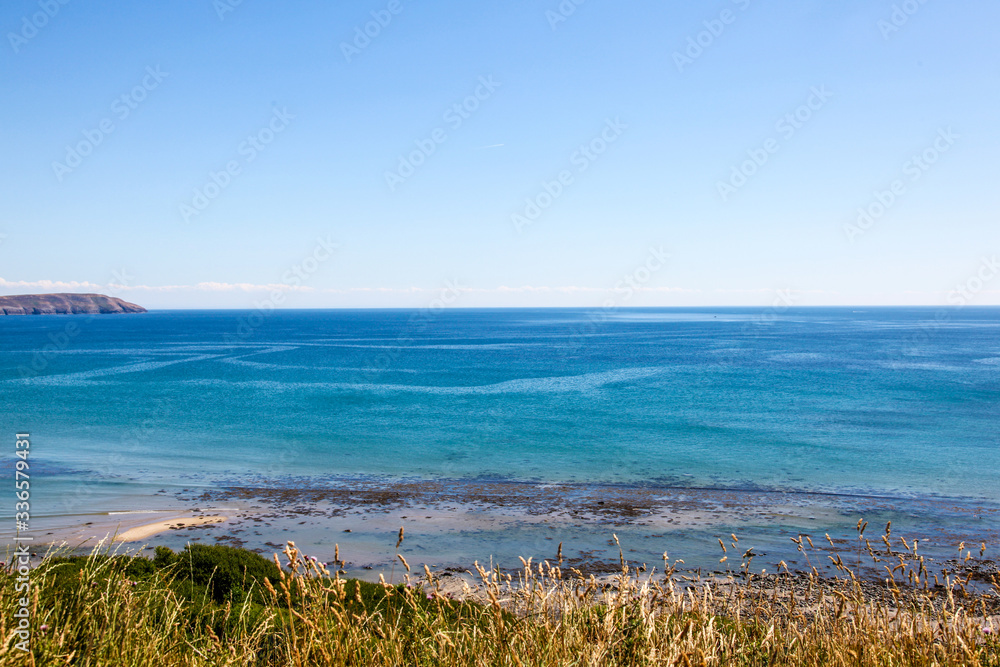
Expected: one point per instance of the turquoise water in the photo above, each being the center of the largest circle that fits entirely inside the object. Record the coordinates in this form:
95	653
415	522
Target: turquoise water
880	402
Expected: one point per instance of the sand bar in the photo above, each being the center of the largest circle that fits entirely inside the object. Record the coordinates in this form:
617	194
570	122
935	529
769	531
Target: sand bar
148	530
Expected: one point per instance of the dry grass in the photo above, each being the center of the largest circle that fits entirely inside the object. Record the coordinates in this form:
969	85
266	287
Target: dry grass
542	615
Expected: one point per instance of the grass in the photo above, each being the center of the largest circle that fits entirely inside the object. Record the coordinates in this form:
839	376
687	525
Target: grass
217	605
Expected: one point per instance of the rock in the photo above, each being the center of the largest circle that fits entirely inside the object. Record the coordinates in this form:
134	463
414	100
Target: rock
65	304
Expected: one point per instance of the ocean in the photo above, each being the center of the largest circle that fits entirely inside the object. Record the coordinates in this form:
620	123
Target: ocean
774	422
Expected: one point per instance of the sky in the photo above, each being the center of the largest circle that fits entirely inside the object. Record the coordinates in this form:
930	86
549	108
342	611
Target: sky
418	153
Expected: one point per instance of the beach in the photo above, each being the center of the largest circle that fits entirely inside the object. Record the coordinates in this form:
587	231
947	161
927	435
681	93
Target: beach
148	530
86	532
451	524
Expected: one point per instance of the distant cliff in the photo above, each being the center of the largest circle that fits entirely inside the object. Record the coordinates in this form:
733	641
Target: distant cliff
65	304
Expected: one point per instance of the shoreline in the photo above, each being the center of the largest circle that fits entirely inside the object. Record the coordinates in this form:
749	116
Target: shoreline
452	523
125	527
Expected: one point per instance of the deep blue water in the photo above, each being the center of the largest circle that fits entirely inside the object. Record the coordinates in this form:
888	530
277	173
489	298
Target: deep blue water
898	402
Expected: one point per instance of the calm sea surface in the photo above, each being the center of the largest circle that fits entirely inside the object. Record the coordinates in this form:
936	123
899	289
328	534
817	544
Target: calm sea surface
894	403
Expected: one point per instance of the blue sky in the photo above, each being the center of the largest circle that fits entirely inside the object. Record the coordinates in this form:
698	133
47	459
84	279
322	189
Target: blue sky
711	153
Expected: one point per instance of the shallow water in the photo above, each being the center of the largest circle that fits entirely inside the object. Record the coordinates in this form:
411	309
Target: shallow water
895	409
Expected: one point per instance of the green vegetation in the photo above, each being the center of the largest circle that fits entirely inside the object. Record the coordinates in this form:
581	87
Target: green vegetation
216	605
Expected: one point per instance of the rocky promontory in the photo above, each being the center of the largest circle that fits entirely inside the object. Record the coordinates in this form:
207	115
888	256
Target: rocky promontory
65	304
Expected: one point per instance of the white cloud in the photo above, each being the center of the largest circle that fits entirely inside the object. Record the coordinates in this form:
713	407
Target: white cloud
48	285
282	287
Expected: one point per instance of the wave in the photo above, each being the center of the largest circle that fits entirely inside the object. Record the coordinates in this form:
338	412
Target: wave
84	376
239	361
554	384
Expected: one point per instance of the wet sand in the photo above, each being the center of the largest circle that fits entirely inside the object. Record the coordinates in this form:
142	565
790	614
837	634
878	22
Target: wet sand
452	523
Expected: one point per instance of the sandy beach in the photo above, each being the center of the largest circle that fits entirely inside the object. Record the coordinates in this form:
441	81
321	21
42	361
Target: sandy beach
453	523
129	527
148	530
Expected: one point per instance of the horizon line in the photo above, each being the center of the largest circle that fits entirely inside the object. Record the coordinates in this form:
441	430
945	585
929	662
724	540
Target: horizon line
778	310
